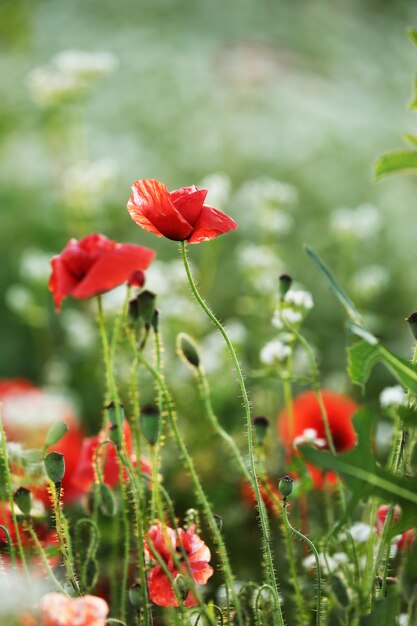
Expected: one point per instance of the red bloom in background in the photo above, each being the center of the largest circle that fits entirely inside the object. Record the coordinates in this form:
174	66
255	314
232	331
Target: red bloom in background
307	418
55	609
93	265
404	541
83	476
249	498
165	541
179	215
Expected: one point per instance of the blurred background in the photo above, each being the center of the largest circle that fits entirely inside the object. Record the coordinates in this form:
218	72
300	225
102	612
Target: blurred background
280	109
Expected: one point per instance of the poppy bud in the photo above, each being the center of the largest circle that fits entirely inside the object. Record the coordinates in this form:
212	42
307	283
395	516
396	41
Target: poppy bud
188	350
150	420
115	435
112	413
260	426
155	320
284	283
145	307
23	499
55	466
219	521
182	586
55	434
412	322
285	486
136	279
135	596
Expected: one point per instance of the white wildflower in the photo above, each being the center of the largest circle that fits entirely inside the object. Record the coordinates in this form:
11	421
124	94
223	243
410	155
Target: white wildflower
290	316
327	564
371	280
85	65
80	330
392	396
403	619
309	435
360	223
35	265
48	87
86	182
274	352
360	532
219	187
299	298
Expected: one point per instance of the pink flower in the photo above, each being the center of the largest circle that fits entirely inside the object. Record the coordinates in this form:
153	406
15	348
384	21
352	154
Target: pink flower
55	609
166	541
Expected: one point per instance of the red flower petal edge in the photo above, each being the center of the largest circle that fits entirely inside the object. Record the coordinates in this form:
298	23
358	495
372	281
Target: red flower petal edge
94	265
179	215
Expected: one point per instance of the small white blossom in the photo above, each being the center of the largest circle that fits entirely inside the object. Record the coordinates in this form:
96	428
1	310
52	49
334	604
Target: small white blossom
86	182
370	281
35	265
403	619
274	352
360	223
85	65
49	87
360	532
309	435
392	396
327	564
219	187
290	316
299	298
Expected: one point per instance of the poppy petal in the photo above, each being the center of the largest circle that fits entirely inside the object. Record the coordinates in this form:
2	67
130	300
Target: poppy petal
151	200
189	201
112	269
160	588
211	224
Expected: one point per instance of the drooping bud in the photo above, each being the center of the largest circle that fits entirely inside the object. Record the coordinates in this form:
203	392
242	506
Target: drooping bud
136	279
112	410
188	350
182	586
260	426
23	499
285	486
115	435
284	283
107	501
150	419
145	307
55	466
412	322
135	596
55	434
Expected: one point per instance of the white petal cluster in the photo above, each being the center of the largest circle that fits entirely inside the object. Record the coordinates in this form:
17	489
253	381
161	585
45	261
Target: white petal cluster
309	435
361	223
85	183
274	352
299	298
392	396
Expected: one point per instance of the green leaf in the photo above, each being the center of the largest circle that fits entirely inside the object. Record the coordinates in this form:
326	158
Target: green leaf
361	360
411	138
404	161
55	434
384	612
408	415
403	371
335	287
362	474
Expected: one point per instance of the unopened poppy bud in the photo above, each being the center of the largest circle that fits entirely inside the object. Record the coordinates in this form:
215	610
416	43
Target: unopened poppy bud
182	586
150	419
135	596
146	307
136	279
188	350
55	466
219	521
112	412
285	486
23	499
284	283
412	322
115	435
55	434
260	426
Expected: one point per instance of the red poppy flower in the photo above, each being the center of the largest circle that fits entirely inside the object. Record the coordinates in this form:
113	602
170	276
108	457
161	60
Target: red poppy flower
94	265
404	541
166	541
84	476
307	418
270	503
180	215
55	609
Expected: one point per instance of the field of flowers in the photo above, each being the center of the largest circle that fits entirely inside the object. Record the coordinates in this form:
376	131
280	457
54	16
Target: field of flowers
208	377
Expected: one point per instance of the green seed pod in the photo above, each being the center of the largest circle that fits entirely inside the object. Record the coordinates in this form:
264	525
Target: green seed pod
135	596
412	322
285	486
188	350
182	586
219	521
284	283
339	590
107	500
144	308
260	426
55	433
155	320
55	466
112	412
150	419
23	499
